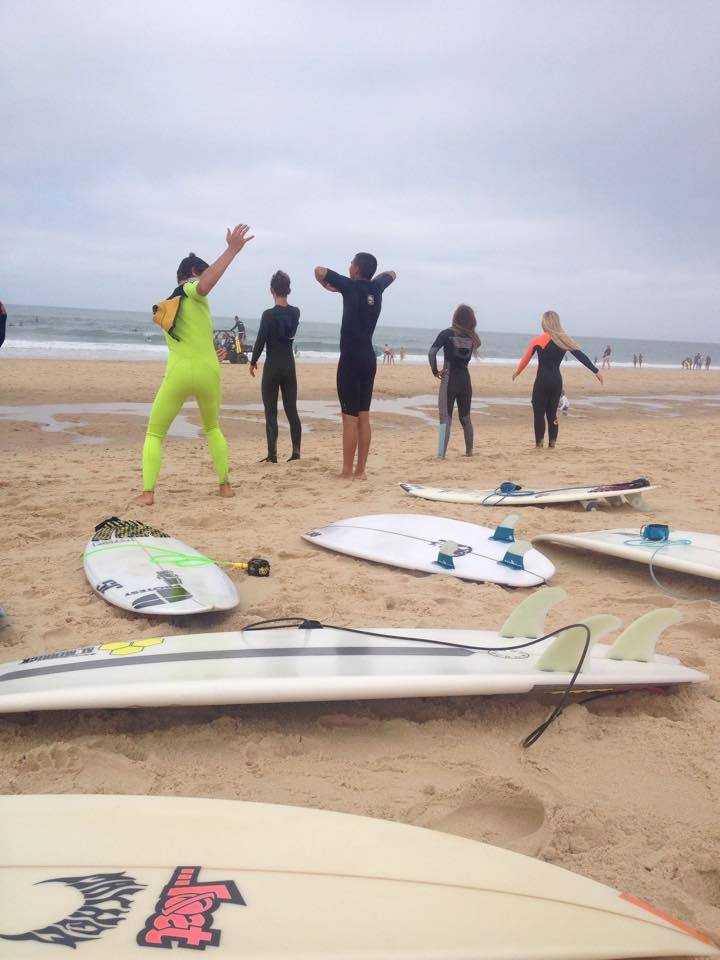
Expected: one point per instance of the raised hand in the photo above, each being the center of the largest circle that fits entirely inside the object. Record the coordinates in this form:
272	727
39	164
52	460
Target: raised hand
237	238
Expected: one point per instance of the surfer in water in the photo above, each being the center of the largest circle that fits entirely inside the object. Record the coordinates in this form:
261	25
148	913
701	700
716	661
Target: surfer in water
550	348
459	342
278	327
362	301
193	368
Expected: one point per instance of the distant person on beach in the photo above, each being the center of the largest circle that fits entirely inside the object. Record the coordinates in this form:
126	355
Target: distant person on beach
3	322
707	362
640	360
458	342
606	357
193	368
239	328
402	354
278	327
362	302
634	359
386	354
550	348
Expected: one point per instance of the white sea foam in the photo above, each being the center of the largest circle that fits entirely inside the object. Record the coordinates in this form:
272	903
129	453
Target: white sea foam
83	350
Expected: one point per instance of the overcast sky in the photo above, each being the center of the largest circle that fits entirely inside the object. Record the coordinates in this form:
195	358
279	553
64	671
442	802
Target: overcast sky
517	156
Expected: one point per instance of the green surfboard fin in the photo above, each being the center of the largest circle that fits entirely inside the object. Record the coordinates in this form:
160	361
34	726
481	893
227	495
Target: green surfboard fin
528	617
637	641
565	651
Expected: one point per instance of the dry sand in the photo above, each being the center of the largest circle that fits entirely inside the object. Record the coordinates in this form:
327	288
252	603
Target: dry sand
625	790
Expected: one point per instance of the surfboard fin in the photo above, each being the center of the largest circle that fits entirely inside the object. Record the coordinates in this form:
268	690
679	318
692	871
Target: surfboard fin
505	530
515	555
637	501
565	651
528	617
637	641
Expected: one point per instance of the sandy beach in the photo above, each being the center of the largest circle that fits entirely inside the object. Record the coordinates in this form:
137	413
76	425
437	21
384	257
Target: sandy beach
625	790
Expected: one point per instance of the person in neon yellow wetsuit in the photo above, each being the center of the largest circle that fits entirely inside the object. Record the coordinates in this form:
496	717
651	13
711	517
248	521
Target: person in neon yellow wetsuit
193	368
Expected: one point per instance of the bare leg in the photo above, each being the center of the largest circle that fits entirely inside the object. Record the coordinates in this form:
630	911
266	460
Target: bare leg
364	434
350	442
226	490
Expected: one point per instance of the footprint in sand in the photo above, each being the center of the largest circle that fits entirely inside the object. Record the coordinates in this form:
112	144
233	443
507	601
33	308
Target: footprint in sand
57	635
495	811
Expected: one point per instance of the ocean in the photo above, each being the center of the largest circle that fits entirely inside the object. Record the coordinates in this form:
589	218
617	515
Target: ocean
73	333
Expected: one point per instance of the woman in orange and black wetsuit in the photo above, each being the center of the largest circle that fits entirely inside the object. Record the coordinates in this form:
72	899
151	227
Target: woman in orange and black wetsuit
550	347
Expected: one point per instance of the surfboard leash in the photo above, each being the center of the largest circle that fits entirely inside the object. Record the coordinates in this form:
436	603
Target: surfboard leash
304	624
658	536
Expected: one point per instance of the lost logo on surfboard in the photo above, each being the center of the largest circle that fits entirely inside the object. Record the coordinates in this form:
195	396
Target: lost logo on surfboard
183	915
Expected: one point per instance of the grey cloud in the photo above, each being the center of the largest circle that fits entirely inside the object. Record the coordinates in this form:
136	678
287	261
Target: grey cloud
517	155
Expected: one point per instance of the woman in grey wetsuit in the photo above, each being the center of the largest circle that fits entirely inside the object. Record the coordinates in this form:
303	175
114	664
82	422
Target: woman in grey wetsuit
278	327
459	343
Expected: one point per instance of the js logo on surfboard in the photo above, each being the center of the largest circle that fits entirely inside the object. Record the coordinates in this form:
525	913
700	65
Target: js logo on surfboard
183	914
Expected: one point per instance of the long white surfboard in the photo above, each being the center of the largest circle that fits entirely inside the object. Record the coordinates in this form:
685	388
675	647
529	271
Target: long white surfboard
700	555
118	877
614	494
316	664
414	542
141	569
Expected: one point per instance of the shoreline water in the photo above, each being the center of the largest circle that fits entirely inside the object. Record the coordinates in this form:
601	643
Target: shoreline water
68	333
110	351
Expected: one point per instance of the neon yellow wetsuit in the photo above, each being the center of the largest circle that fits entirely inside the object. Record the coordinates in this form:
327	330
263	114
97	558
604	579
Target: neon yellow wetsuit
193	370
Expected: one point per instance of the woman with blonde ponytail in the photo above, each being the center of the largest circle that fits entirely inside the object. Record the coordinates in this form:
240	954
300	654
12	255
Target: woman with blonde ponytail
550	347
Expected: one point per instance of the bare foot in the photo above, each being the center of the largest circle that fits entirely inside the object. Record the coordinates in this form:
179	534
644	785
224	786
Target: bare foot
226	490
360	475
146	499
344	476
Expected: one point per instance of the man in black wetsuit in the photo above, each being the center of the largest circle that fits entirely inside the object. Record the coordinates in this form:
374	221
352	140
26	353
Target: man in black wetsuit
362	302
3	322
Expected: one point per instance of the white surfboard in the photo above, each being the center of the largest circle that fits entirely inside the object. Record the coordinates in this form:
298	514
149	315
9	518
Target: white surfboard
700	555
141	569
316	664
614	494
415	542
118	877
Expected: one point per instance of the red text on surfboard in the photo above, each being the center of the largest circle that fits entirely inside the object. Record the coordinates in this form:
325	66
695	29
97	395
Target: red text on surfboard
184	912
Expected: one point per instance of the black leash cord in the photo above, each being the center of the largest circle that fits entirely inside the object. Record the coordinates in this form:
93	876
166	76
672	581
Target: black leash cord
302	623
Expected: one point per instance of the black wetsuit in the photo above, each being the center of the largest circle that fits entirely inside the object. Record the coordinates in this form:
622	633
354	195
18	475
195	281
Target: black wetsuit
548	385
3	321
278	327
455	385
362	302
